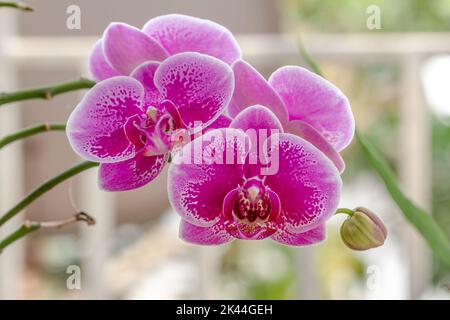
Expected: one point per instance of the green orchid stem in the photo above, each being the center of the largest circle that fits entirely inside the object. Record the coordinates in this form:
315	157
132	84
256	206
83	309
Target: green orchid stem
27	132
17	5
46	186
346	211
46	93
419	218
30	226
24	229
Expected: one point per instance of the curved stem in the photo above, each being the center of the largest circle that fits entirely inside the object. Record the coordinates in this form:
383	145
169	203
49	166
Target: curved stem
31	226
27	132
23	230
345	211
17	5
46	92
46	186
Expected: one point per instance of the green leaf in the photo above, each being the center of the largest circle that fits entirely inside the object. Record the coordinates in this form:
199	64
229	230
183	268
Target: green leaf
419	218
309	60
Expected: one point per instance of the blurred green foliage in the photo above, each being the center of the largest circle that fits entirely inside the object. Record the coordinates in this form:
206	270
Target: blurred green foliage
441	181
374	98
396	16
351	15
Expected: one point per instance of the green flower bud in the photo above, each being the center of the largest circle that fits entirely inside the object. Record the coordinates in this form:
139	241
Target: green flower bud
363	230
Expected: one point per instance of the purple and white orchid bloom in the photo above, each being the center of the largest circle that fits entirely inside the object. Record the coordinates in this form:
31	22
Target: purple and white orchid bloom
306	104
123	47
128	126
221	200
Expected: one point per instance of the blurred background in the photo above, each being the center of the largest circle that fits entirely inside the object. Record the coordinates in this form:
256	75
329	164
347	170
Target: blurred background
397	78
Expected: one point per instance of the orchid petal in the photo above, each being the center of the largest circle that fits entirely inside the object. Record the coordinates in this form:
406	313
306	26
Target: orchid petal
126	47
145	74
307	132
309	237
259	123
307	183
213	235
250	89
257	118
130	174
200	175
96	126
200	86
316	101
99	66
180	33
222	121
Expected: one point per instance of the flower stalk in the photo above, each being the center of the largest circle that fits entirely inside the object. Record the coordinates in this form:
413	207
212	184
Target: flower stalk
46	93
46	186
345	211
27	132
16	5
30	226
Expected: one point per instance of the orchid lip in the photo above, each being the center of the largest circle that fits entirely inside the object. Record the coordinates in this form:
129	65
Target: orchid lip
261	231
134	131
152	134
251	209
173	111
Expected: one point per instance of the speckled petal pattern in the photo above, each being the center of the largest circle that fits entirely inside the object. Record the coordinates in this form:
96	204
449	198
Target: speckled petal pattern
130	174
307	183
96	126
199	85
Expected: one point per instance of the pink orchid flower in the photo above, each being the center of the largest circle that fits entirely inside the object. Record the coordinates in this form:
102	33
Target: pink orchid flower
128	125
124	47
306	104
220	200
314	122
